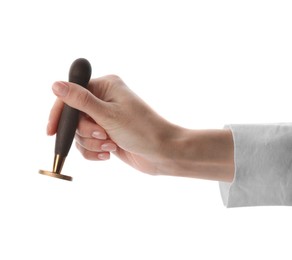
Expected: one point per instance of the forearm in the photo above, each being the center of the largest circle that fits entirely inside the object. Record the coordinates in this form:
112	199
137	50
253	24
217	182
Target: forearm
204	154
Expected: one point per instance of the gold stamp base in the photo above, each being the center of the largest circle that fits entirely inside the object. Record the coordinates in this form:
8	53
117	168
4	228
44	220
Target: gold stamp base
56	175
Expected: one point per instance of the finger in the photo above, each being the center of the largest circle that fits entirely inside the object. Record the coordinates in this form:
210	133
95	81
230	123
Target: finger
81	99
88	128
54	117
95	145
93	156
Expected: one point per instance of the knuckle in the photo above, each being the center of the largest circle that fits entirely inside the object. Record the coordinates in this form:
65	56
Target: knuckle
113	77
113	80
87	155
91	145
83	99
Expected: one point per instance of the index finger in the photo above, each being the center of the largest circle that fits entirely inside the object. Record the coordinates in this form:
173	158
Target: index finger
54	116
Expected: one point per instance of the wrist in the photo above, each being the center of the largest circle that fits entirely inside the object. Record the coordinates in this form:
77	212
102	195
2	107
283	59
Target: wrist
205	154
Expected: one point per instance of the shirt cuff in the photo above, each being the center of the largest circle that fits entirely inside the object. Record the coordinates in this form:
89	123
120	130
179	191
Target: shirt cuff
263	166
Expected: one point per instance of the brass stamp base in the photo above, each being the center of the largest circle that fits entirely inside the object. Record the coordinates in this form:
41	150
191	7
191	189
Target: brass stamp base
56	175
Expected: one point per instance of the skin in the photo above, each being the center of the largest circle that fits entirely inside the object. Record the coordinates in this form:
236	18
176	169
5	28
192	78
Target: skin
115	120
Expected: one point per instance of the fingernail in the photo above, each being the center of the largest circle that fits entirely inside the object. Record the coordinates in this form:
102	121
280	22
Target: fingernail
99	135
60	88
103	156
109	147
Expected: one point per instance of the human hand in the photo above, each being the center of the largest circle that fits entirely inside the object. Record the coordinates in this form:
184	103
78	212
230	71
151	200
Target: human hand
114	119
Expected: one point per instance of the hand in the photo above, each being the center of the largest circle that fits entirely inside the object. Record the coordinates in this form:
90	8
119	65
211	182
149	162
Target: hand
114	119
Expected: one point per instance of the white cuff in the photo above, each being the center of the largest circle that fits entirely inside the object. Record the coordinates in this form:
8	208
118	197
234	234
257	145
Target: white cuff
263	166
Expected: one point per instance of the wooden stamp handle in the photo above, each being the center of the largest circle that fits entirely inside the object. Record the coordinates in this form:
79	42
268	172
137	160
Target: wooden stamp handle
80	73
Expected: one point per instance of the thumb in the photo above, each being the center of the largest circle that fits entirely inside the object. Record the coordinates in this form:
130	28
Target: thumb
80	98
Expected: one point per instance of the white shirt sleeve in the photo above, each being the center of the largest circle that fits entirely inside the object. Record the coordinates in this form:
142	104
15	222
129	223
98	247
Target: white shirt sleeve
263	166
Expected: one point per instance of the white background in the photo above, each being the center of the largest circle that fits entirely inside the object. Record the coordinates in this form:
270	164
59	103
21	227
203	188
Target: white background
200	64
